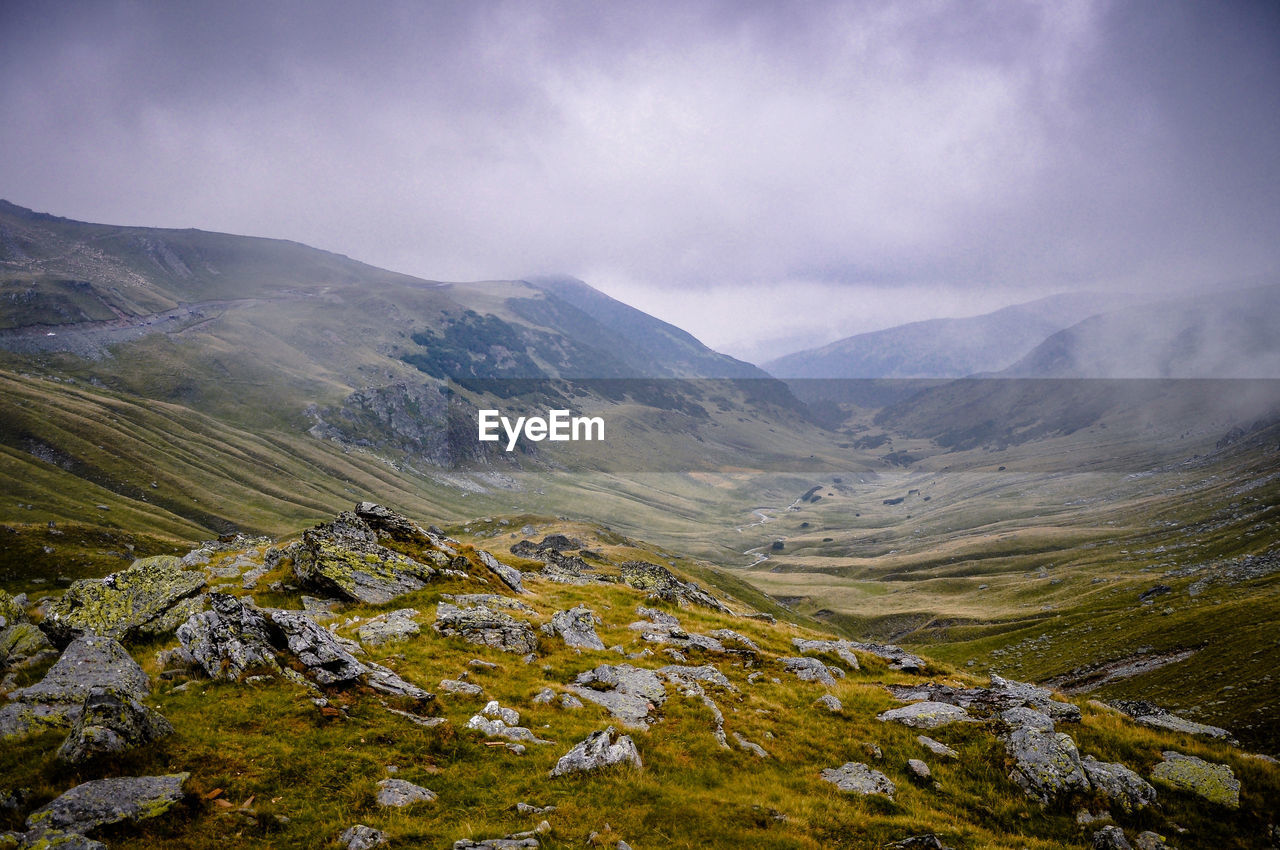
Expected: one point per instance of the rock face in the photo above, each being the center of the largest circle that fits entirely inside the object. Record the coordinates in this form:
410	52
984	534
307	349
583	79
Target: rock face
925	715
1214	782
577	627
150	598
1046	764
111	723
629	693
343	558
484	626
599	750
103	801
57	699
397	793
661	583
854	777
329	663
1119	784
510	576
230	639
390	627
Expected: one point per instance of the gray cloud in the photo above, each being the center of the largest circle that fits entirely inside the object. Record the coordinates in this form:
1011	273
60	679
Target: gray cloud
868	162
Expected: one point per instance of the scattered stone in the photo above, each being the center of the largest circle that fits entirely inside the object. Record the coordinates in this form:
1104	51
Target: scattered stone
919	770
343	558
830	703
482	665
1150	841
390	627
854	777
104	801
925	715
492	601
577	627
744	744
598	750
1149	714
230	639
528	809
510	843
1119	784
542	697
1214	782
498	722
1046	764
509	576
842	649
811	670
655	617
1110	838
486	627
1147	597
398	793
918	842
628	693
937	747
361	837
872	749
110	724
466	689
661	583
570	701
898	658
149	599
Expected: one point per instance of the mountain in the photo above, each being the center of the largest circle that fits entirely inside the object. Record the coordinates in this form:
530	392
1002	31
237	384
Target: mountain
943	348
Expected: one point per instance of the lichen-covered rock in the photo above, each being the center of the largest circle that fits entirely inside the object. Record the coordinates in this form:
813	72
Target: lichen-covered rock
925	715
811	670
919	770
105	801
390	627
23	644
1149	714
111	723
328	662
230	639
576	627
1002	695
629	693
343	558
898	658
151	598
1023	717
466	689
599	750
1119	784
484	626
830	703
854	777
397	793
1214	782
729	636
1110	838
1150	841
842	649
361	837
661	583
936	747
11	611
509	576
385	521
1046	765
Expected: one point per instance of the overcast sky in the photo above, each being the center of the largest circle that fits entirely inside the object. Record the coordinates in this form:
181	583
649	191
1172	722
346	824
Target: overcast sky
768	176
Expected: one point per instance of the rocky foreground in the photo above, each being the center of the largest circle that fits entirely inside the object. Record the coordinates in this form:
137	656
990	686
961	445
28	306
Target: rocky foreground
379	657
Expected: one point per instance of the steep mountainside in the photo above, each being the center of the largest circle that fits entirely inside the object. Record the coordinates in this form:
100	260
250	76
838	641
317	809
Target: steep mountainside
943	348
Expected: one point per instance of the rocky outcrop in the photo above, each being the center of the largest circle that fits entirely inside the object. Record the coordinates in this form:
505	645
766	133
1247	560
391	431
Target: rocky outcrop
842	649
629	693
111	723
390	627
577	627
57	699
1046	765
599	750
1149	714
1111	838
397	793
105	801
387	523
149	599
1003	694
830	703
661	583
495	721
811	670
509	576
229	640
898	658
1214	782
329	663
1120	785
854	777
925	715
484	626
343	558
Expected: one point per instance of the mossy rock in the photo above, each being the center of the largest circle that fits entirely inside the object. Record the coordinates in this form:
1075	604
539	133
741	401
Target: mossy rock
150	598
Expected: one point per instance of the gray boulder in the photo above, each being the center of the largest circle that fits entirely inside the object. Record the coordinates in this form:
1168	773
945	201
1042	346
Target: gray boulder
1046	764
330	663
344	559
387	523
1110	838
511	843
484	626
466	689
1214	782
629	693
576	627
1027	718
509	576
104	801
1119	784
810	670
854	777
842	649
390	627
662	584
830	703
937	747
361	837
599	750
397	793
149	599
1150	841
1149	714
110	724
898	658
925	715
230	639
22	645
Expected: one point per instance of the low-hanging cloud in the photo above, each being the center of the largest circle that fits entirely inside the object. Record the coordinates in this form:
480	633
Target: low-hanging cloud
869	150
